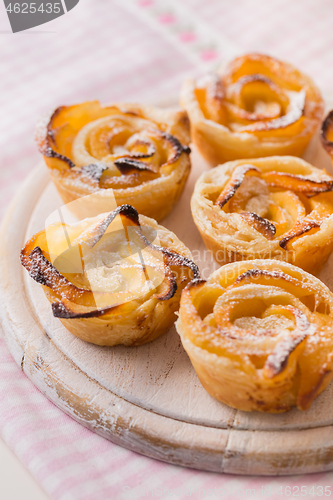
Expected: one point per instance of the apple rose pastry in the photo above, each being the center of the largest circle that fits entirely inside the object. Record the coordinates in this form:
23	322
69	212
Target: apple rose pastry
327	134
259	335
278	207
108	280
133	154
258	107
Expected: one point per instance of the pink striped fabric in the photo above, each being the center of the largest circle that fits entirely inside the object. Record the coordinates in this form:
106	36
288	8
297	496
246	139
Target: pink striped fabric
130	50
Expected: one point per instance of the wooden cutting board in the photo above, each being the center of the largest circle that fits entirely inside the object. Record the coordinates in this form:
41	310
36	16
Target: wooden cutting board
148	398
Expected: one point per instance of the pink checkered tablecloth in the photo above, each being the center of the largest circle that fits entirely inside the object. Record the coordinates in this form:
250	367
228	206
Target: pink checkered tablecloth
136	50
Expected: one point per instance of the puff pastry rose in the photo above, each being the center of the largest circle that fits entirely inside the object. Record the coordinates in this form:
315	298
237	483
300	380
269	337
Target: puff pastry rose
135	154
258	106
113	279
327	134
277	207
259	335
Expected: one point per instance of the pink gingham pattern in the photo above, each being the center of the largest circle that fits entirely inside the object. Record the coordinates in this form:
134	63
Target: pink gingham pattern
129	50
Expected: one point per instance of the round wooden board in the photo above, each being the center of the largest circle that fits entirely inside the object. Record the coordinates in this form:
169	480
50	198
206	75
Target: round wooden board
148	398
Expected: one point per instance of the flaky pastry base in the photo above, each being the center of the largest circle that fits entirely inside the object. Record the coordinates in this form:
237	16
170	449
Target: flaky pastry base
257	106
102	292
259	335
276	207
125	153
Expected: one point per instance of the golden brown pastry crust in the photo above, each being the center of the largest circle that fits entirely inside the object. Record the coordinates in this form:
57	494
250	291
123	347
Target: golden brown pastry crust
134	154
326	134
276	207
258	106
259	335
103	292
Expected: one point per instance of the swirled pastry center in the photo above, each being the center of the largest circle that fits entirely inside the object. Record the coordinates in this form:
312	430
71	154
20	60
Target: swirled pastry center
123	145
275	323
121	263
109	273
253	103
264	315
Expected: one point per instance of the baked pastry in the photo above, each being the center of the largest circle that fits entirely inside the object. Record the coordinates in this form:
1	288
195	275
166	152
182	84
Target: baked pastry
259	335
112	279
258	106
277	207
326	134
134	154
